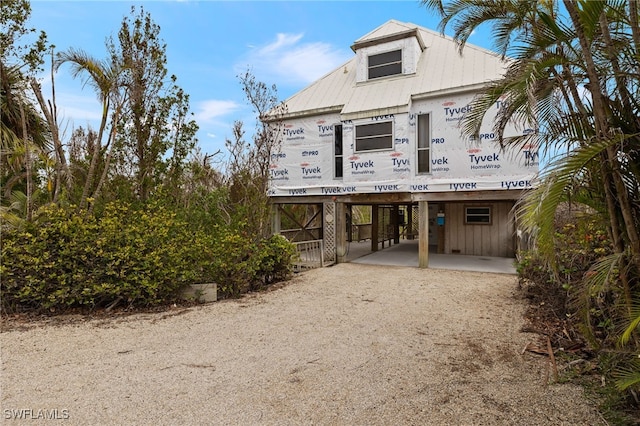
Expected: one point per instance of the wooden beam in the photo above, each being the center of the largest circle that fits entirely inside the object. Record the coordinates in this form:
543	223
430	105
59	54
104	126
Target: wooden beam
468	196
389	198
404	197
308	199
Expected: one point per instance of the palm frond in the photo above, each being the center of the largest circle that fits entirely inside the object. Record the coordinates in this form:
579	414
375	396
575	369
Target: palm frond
629	375
632	326
537	208
604	272
101	74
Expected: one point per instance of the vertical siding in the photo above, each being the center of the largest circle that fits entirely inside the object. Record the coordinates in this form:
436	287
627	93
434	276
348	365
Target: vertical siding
480	240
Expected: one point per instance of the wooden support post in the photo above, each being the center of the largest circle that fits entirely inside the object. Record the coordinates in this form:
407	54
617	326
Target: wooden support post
395	220
349	219
275	219
423	234
410	222
374	227
341	232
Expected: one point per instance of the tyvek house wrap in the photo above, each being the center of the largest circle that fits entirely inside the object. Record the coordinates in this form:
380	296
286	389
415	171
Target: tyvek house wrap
305	160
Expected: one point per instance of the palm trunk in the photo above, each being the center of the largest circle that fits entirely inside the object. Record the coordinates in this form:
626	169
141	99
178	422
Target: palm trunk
621	85
618	75
27	154
602	134
610	202
62	167
94	158
635	29
111	143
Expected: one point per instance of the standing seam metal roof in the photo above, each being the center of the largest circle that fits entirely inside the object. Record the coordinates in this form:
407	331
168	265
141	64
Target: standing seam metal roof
440	69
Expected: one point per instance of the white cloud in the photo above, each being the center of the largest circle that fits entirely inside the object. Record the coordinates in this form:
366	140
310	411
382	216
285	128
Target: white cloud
283	41
208	111
78	110
75	106
289	60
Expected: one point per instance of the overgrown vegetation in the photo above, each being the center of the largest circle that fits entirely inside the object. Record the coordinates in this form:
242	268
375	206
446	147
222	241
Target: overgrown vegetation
580	320
130	213
573	76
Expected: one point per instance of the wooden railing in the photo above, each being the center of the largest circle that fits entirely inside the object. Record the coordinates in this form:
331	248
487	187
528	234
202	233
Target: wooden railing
299	234
310	255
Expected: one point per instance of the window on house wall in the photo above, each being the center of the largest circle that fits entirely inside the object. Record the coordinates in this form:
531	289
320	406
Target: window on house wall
374	137
477	215
385	64
424	145
337	151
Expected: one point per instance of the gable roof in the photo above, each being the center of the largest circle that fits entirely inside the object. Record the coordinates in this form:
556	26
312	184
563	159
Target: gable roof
392	30
440	70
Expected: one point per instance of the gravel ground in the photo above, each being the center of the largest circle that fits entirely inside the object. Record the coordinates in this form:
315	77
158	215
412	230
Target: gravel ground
346	345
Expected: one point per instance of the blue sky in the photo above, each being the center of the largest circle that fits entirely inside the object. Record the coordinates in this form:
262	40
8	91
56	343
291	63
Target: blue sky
286	43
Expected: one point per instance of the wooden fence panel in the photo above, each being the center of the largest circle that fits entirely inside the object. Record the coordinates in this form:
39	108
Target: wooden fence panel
310	255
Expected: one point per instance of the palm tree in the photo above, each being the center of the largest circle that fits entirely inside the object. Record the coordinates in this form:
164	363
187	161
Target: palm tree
49	109
575	75
103	76
23	132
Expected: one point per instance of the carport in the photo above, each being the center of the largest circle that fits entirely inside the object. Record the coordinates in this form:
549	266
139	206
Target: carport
406	254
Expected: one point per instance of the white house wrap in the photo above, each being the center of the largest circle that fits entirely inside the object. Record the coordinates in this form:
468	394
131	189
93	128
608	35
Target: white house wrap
304	165
384	130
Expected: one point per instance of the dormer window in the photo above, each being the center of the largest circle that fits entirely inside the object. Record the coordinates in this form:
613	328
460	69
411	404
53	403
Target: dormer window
385	64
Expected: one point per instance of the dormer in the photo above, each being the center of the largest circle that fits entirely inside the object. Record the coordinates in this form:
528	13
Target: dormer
392	50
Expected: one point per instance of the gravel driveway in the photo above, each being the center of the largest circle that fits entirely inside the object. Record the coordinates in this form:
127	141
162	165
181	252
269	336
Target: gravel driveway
346	345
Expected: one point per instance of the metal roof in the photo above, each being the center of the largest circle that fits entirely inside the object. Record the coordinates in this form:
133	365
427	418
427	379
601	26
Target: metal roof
441	69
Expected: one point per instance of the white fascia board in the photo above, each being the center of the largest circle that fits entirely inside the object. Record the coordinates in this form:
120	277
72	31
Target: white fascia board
307	113
449	91
400	109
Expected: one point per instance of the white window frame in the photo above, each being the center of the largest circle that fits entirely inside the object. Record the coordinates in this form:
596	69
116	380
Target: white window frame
428	143
335	154
379	135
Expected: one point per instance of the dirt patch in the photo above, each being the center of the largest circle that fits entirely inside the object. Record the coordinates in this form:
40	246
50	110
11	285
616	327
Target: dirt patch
350	344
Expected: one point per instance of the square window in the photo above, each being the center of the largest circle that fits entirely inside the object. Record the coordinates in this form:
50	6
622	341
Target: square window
385	64
374	137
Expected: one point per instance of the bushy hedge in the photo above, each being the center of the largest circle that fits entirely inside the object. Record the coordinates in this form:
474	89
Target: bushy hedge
241	265
138	257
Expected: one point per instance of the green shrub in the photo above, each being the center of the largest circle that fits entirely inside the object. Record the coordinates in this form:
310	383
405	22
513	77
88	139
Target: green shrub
141	257
276	260
241	265
234	263
134	256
